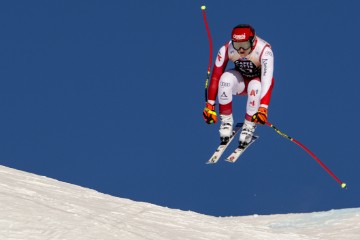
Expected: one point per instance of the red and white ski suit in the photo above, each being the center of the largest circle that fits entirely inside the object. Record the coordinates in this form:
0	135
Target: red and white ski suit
251	76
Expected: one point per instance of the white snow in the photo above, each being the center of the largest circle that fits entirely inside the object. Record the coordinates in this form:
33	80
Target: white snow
36	207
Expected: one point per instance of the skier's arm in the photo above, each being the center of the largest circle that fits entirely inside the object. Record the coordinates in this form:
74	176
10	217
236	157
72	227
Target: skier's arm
267	80
267	83
221	61
218	69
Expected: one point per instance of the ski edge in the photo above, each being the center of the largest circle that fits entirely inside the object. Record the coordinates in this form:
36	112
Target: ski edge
222	147
234	156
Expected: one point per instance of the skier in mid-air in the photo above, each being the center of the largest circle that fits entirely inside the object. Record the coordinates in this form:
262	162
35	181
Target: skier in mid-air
251	76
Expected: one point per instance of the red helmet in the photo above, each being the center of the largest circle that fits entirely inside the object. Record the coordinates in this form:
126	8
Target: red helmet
243	33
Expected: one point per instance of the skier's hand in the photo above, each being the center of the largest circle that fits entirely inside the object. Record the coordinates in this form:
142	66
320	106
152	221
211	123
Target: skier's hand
261	116
210	114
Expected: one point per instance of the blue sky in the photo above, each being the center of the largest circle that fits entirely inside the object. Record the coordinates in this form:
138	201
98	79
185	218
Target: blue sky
109	95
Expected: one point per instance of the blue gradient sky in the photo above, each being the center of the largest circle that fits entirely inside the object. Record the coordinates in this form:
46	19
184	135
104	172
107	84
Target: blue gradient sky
109	95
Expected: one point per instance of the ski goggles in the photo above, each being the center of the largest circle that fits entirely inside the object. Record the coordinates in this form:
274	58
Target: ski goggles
244	45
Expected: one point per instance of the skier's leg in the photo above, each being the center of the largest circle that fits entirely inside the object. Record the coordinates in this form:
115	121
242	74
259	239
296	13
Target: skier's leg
231	83
252	105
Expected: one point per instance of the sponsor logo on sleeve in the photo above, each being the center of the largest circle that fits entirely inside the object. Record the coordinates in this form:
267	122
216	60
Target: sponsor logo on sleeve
264	65
220	57
268	53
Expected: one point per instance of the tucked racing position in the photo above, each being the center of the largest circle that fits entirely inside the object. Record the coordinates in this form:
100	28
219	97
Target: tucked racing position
252	76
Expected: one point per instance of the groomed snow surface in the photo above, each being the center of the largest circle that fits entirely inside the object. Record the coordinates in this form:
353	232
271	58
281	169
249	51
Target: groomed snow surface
36	207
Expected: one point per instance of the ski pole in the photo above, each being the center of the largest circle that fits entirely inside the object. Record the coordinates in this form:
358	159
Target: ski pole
342	184
210	46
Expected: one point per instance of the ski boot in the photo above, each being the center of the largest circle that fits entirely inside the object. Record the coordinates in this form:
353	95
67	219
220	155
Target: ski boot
226	127
247	133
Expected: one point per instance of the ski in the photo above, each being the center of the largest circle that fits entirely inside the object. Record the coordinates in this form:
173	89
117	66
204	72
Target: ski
240	150
223	145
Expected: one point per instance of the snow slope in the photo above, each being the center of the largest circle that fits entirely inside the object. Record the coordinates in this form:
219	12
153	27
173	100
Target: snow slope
36	207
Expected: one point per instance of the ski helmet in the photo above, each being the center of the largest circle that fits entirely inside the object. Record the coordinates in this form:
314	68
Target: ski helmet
243	33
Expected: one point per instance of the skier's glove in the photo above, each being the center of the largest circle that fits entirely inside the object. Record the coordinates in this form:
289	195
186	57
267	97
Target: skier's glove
261	116
210	114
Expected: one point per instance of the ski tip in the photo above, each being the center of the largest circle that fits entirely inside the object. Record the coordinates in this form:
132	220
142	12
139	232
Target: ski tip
211	161
230	160
343	185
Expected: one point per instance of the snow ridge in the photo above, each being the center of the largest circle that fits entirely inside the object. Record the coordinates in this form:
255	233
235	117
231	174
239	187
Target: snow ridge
35	207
